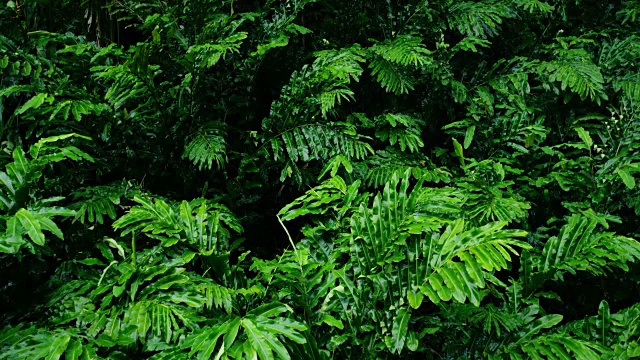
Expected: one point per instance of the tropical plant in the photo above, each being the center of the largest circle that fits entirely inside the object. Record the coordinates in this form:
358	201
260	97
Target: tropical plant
319	179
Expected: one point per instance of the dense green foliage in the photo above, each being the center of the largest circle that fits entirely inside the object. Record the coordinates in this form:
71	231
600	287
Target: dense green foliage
319	179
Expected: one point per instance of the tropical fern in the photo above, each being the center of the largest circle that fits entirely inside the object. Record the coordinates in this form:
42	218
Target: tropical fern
391	61
574	69
263	331
94	204
579	248
386	164
479	19
198	223
25	213
207	148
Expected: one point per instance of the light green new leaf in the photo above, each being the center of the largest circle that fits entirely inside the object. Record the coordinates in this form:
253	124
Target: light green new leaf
332	321
415	299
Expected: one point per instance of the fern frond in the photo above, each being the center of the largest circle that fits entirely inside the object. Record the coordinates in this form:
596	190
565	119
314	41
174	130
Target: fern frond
535	6
579	248
629	85
479	19
404	50
319	141
617	332
41	343
207	55
405	131
445	266
575	70
391	77
205	149
393	59
385	164
94	204
557	346
259	334
478	250
197	222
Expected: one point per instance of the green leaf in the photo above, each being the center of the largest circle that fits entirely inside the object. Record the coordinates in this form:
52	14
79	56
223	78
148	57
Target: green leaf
58	346
332	321
31	225
626	177
257	340
415	299
285	327
536	326
32	103
74	350
12	240
586	138
399	330
603	322
458	150
468	136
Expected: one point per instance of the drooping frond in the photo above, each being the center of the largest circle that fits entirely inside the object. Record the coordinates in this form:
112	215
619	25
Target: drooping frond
27	215
533	6
488	194
260	335
445	266
132	81
404	130
40	343
207	55
616	332
556	346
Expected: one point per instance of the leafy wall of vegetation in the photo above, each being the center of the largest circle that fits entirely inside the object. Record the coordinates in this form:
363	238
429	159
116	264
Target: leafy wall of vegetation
319	179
